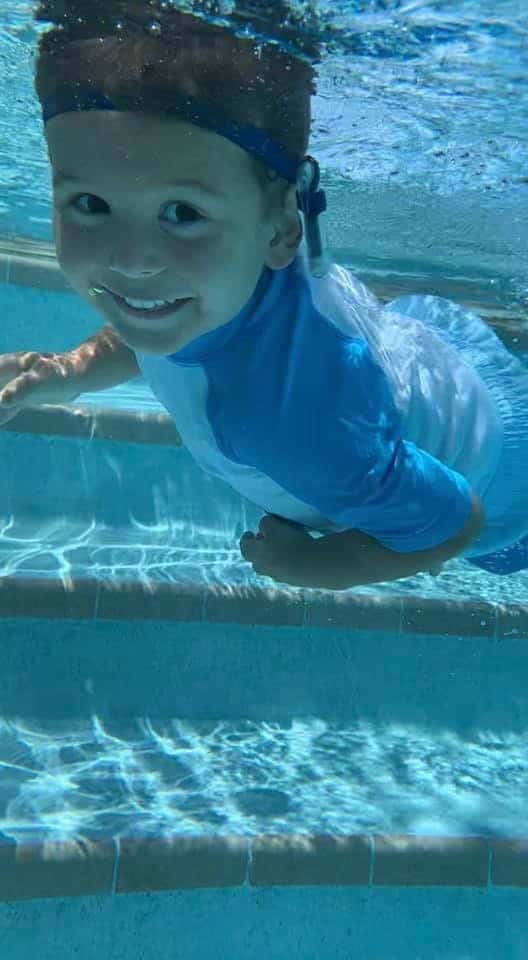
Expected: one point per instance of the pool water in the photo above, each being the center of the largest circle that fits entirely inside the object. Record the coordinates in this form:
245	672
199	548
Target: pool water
119	728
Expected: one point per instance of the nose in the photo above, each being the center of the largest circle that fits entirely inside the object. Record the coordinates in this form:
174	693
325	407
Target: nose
130	259
132	270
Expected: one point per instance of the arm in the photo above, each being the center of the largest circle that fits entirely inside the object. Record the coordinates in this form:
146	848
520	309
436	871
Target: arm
30	378
351	559
286	552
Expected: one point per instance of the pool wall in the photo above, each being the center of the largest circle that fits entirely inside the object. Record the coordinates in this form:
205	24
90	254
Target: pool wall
275	923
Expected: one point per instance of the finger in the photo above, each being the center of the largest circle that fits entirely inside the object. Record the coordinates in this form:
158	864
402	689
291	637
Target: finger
18	388
248	543
11	364
267	525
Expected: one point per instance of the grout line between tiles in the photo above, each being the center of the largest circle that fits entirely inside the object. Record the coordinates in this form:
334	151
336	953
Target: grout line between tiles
372	847
304	613
249	863
495	620
97	600
117	859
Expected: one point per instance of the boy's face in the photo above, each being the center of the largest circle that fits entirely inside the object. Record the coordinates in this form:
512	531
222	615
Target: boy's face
126	222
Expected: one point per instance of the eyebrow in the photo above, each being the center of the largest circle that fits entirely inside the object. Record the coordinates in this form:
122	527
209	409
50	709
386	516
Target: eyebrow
61	178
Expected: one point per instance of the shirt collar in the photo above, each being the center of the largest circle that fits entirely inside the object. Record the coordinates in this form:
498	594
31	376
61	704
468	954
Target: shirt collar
270	287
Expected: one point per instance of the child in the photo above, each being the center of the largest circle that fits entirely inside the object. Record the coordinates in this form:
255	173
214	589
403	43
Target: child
179	169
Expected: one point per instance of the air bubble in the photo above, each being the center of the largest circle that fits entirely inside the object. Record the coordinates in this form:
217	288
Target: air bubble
154	28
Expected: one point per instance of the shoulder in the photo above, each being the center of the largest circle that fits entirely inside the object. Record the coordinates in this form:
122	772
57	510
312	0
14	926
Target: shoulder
344	301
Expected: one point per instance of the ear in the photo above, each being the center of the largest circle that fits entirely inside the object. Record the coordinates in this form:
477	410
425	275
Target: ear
288	232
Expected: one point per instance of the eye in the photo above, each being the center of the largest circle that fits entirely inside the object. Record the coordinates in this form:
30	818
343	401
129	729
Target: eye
187	215
95	204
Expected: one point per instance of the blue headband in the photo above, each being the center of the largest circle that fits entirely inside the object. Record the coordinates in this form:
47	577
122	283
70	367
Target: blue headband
252	139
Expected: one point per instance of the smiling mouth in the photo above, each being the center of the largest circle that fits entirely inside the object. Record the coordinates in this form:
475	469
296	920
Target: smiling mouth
166	309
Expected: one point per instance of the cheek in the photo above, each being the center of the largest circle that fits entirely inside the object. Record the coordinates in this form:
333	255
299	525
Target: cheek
76	251
230	263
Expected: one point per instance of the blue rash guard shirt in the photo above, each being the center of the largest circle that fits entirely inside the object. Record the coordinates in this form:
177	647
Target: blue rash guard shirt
322	406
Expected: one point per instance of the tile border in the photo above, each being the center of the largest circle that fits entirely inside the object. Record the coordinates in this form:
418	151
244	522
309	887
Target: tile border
81	868
91	599
96	423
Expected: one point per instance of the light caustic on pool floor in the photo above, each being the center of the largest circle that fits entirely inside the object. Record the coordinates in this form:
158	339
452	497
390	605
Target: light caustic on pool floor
158	777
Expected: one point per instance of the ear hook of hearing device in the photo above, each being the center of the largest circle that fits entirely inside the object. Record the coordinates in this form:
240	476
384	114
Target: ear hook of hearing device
312	202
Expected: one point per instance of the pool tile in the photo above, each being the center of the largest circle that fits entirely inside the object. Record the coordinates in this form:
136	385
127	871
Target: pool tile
254	606
181	863
123	426
49	599
431	861
313	860
135	865
126	426
509	866
449	617
68	869
346	611
131	600
57	421
512	623
310	860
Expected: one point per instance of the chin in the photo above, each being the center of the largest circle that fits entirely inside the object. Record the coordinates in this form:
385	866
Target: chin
147	343
159	343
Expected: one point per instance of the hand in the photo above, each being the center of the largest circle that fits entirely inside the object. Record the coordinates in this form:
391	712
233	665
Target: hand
29	378
281	550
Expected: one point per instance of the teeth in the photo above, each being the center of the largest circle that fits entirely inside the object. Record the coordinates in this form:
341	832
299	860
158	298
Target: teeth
147	304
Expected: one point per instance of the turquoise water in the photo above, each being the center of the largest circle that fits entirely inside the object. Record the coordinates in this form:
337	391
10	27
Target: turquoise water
420	128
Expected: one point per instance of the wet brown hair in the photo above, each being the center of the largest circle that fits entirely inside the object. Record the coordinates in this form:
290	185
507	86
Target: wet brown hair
133	51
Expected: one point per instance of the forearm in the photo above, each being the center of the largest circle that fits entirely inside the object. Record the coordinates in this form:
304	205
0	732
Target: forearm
102	361
352	558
